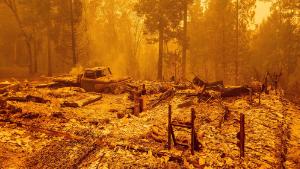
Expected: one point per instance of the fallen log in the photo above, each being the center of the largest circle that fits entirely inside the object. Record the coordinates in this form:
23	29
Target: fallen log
235	91
28	98
218	86
36	99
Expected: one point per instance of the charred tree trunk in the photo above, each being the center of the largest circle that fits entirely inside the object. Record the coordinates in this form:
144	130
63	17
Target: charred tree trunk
184	43
49	44
161	47
236	63
12	6
73	34
223	46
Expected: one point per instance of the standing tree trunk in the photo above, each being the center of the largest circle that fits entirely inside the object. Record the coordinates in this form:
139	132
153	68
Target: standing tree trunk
49	42
184	43
12	6
161	53
161	46
237	43
73	34
223	46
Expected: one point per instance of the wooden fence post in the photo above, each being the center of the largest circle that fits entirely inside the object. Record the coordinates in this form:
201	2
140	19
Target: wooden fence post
193	131
169	127
242	135
141	104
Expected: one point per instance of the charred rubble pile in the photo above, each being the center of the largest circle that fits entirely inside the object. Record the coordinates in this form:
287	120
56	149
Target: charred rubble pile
64	123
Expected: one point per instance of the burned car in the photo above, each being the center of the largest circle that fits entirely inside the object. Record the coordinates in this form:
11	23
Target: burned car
100	79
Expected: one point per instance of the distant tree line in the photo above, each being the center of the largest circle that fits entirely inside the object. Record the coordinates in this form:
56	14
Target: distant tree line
224	42
160	39
49	30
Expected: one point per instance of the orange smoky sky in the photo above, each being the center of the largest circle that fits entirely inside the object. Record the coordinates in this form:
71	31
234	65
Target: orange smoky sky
262	11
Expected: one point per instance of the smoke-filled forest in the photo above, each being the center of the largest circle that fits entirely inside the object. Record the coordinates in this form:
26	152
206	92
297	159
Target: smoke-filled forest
216	40
149	84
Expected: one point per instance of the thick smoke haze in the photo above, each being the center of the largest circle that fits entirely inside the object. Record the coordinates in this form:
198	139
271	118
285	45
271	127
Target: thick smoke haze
222	43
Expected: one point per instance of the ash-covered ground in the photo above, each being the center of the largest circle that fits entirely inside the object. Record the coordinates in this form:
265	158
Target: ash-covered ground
66	127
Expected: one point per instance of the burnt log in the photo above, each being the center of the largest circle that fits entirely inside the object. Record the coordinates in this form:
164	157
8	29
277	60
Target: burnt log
218	86
28	98
36	99
235	91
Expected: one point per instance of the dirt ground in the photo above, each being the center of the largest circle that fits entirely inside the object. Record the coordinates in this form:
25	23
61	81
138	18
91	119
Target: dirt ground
106	134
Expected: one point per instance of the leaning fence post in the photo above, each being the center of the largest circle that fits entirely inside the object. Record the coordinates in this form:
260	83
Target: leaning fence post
169	126
193	131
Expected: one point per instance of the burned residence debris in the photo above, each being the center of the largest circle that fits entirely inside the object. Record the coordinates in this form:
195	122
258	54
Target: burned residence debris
72	125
